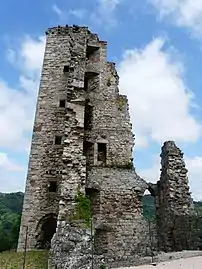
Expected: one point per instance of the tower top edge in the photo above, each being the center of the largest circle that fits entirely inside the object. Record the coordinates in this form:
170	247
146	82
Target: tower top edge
67	29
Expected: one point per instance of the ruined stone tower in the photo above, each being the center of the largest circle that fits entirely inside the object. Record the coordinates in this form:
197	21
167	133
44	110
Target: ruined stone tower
82	140
173	201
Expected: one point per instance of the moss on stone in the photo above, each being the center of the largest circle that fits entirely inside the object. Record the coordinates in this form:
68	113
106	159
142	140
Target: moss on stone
121	101
109	82
83	207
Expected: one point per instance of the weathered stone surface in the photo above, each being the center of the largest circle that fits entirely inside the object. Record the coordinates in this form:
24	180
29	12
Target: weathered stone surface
173	200
82	143
94	155
71	248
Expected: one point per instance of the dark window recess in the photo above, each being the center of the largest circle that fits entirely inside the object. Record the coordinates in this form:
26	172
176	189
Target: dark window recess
91	51
94	196
66	69
102	153
62	103
52	187
48	228
88	151
58	140
101	242
88	117
85	84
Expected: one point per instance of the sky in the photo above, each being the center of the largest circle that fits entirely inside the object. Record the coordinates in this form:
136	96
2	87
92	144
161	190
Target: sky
157	48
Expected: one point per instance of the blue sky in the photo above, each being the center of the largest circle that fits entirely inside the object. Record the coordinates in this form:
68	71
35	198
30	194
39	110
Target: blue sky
157	46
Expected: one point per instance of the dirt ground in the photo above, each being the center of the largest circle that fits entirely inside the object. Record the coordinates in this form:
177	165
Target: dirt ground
189	263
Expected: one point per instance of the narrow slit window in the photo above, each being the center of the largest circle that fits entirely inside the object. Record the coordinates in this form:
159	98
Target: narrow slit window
88	117
85	84
58	140
52	187
62	103
88	151
102	153
66	69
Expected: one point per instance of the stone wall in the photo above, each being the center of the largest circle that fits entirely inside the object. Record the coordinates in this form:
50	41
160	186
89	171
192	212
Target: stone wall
173	201
62	79
117	214
83	141
45	162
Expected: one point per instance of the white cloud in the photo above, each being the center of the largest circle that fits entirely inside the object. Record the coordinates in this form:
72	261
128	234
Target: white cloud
6	163
17	105
160	105
152	173
194	166
78	13
57	10
108	5
64	14
31	53
105	13
29	57
12	175
13	117
185	13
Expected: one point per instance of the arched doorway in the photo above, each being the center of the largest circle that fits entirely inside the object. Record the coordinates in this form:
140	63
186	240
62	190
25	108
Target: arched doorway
45	231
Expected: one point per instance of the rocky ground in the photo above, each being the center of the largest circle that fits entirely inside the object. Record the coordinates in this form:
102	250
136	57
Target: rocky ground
189	263
178	260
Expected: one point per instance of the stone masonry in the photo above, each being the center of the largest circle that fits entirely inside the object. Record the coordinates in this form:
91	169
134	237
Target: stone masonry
82	146
82	140
173	201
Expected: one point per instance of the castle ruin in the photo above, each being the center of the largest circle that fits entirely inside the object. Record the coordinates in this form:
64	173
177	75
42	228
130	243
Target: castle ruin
173	201
82	146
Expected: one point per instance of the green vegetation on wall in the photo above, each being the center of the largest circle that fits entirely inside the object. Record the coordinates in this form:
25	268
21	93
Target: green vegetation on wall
121	101
83	207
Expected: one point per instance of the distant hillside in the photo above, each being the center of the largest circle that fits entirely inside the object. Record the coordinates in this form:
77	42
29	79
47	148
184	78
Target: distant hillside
11	202
149	209
10	214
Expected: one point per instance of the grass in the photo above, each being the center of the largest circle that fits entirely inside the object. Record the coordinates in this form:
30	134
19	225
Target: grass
14	260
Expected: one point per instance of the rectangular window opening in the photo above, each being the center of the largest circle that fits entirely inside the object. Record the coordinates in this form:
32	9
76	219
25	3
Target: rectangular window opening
62	103
85	84
66	69
88	151
52	187
88	117
58	140
101	242
102	153
91	51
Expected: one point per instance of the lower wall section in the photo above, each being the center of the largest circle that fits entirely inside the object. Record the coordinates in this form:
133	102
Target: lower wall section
71	247
119	229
